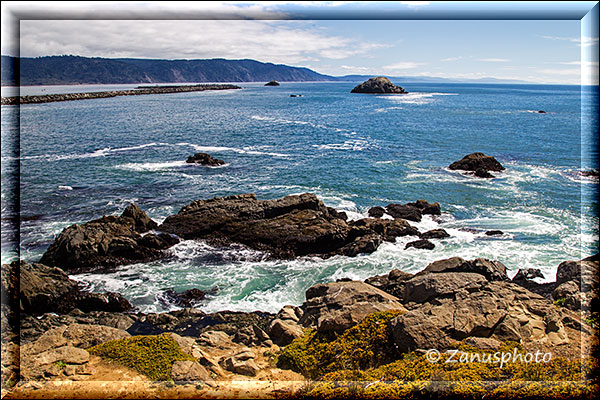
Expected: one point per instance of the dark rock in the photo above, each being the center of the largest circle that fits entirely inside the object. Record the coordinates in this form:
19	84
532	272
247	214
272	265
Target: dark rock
494	233
283	332
475	161
593	173
376	212
482	173
44	289
435	234
426	208
528	274
104	243
296	95
293	226
378	84
420	244
204	159
337	306
541	112
272	83
408	212
187	298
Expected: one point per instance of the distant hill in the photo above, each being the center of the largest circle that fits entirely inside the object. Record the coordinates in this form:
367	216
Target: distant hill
67	70
64	70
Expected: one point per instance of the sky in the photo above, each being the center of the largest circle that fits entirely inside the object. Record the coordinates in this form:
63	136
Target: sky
417	38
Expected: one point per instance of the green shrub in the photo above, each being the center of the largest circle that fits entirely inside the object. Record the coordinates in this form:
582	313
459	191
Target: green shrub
152	356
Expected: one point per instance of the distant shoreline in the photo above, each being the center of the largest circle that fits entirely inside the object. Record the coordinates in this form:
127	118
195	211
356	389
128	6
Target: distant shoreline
50	98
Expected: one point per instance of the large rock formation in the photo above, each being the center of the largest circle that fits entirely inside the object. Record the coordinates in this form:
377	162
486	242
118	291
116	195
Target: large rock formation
378	84
337	306
293	226
272	83
106	242
478	164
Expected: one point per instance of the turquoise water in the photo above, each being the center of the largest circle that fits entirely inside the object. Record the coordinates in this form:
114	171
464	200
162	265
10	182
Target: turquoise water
84	159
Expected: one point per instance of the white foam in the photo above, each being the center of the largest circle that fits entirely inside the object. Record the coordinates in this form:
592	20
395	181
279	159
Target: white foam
415	97
64	187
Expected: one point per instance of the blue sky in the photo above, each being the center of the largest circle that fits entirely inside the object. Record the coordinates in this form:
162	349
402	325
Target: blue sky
336	38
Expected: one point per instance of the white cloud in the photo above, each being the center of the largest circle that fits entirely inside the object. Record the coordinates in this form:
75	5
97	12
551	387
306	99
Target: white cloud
494	59
403	65
452	58
585	41
415	4
285	42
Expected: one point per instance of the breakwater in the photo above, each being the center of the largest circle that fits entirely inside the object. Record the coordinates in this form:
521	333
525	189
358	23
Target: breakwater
140	90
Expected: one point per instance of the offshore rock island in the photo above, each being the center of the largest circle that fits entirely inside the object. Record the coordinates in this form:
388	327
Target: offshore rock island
379	85
141	90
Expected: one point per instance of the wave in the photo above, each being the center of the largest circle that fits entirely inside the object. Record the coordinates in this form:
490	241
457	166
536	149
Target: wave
416	97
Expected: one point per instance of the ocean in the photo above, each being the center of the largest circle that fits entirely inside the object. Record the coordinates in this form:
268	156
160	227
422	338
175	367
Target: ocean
80	160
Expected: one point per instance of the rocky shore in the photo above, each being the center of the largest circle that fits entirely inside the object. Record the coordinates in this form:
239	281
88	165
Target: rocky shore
141	90
375	332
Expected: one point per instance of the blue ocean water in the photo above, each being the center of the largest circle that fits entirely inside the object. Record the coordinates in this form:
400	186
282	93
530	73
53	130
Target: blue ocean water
83	159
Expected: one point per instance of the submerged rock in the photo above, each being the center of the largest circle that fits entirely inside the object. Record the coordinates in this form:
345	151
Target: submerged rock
478	163
420	244
378	84
204	159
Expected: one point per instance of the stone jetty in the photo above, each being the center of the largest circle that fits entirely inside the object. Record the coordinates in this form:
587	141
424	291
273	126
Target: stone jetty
140	90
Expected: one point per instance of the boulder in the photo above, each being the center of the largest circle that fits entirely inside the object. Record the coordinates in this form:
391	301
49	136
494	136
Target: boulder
435	234
477	161
498	310
405	211
283	332
187	298
420	244
44	289
204	159
527	274
494	232
378	84
482	173
104	243
337	306
392	283
242	363
577	284
292	313
252	336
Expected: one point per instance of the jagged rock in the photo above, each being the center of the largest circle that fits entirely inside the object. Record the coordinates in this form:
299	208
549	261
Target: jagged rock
420	244
338	306
252	335
45	289
482	173
106	242
214	339
293	226
292	313
406	211
498	310
204	159
477	161
577	284
426	208
378	84
528	274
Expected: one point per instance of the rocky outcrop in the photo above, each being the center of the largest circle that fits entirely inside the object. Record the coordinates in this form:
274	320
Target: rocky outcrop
187	298
577	284
420	244
272	83
378	84
204	159
42	289
490	269
413	211
293	226
337	306
478	164
468	306
106	242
